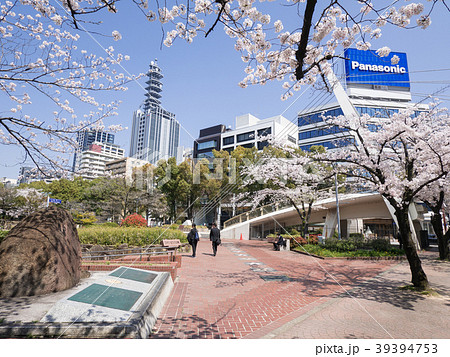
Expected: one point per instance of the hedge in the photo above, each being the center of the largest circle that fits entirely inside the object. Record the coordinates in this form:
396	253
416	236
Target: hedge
324	252
127	235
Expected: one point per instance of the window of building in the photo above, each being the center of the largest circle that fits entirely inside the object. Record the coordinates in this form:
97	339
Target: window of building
263	144
245	136
318	117
264	132
206	155
229	149
249	145
228	140
207	145
330	144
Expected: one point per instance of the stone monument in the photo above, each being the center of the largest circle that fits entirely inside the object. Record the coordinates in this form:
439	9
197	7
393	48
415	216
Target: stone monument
40	255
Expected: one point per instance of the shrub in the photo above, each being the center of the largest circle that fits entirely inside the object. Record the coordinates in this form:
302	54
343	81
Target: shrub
110	224
356	235
84	218
171	226
133	236
134	220
337	245
380	244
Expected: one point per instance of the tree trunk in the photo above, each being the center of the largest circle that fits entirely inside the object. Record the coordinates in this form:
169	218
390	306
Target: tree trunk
419	278
436	222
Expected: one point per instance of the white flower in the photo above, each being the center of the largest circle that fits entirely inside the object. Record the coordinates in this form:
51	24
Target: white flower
116	35
395	59
424	22
383	51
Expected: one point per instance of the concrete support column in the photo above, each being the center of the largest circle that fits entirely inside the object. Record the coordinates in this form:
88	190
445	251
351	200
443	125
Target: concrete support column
330	223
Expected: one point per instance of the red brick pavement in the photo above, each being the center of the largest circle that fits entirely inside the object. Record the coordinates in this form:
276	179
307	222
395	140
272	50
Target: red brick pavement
225	296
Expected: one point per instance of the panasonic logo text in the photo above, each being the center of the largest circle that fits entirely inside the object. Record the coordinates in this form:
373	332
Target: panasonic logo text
378	68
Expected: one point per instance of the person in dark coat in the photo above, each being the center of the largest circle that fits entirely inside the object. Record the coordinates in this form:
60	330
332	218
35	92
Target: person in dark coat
193	239
214	237
279	242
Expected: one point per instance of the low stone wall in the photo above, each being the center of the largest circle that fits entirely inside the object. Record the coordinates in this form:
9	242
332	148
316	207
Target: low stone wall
110	265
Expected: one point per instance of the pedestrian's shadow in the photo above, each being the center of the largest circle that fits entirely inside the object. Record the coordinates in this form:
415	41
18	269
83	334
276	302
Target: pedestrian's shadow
210	254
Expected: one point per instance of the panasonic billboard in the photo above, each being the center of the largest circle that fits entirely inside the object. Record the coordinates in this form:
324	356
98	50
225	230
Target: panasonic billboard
366	67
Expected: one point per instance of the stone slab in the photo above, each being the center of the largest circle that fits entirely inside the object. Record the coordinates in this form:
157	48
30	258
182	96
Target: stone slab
81	319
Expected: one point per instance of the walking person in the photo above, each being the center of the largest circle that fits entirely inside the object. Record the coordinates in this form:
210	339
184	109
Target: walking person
214	237
193	239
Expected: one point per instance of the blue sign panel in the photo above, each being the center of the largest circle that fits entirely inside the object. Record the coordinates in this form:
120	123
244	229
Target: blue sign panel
366	67
54	200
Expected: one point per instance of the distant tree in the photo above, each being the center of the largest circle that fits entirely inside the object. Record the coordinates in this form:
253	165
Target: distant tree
176	183
28	201
8	197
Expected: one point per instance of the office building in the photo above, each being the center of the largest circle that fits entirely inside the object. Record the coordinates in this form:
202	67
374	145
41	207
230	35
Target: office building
373	85
91	163
124	167
87	137
253	132
208	140
155	133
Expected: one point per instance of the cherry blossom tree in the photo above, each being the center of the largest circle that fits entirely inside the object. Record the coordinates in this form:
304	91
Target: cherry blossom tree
295	52
399	158
288	174
41	62
41	58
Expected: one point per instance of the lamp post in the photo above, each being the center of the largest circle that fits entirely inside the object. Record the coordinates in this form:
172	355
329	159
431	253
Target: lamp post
337	203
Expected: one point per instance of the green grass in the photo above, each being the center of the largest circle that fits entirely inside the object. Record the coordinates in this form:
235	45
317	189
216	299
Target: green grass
323	252
133	236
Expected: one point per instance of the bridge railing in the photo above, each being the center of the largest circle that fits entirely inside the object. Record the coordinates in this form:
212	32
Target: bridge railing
257	212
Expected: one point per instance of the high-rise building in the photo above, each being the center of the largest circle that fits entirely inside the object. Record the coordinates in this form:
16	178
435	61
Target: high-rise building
91	163
87	137
155	133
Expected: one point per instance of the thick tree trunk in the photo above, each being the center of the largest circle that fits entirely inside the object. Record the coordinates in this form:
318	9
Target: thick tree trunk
436	222
419	278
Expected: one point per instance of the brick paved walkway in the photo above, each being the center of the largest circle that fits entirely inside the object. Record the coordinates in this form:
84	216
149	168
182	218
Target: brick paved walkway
251	291
379	309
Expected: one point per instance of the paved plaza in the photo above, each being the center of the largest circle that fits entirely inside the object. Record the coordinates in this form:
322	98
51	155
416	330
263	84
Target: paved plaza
250	291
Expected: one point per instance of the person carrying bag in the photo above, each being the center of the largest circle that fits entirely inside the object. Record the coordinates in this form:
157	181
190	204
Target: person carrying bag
193	239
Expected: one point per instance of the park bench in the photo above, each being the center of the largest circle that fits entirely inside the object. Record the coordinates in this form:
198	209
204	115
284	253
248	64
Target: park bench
286	246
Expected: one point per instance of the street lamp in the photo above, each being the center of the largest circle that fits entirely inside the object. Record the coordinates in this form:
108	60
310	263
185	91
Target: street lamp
337	202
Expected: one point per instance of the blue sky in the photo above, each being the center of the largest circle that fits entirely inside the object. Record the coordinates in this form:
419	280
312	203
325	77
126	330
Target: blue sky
200	82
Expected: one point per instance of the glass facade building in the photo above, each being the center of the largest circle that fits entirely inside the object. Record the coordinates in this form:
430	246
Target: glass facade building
369	88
